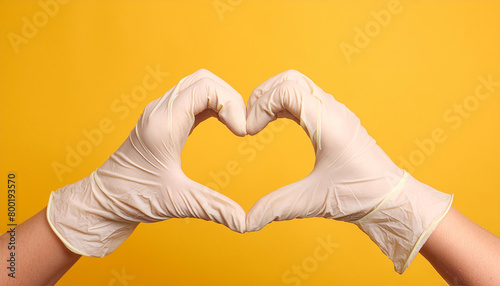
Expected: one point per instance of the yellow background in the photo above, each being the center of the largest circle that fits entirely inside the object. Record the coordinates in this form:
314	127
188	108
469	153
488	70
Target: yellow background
64	79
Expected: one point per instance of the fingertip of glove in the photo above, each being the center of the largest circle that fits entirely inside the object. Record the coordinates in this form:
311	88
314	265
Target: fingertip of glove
238	219
242	226
253	224
241	131
235	121
251	132
257	119
238	127
252	127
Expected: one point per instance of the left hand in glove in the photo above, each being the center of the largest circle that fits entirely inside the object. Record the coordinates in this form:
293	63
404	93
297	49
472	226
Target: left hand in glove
143	180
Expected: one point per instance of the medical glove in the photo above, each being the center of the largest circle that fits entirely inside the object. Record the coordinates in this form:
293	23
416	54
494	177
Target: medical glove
353	180
143	180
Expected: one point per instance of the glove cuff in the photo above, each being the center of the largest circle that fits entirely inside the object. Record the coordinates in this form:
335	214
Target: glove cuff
401	224
81	221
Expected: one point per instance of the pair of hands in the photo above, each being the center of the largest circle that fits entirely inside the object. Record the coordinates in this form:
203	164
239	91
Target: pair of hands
353	179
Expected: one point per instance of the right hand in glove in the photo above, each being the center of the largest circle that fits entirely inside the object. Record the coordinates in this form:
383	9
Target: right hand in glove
143	180
353	180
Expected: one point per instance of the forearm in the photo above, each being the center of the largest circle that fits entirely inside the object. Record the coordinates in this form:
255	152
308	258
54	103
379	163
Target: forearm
42	259
462	252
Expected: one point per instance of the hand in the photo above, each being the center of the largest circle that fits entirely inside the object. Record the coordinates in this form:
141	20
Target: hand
143	180
353	180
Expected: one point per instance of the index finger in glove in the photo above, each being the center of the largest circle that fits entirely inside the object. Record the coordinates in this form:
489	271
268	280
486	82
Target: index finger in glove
290	96
197	93
273	82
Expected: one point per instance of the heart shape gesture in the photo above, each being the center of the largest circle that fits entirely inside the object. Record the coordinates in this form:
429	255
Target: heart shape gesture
353	180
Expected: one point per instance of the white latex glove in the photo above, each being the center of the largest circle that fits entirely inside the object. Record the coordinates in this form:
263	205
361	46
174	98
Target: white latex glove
353	180
143	180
